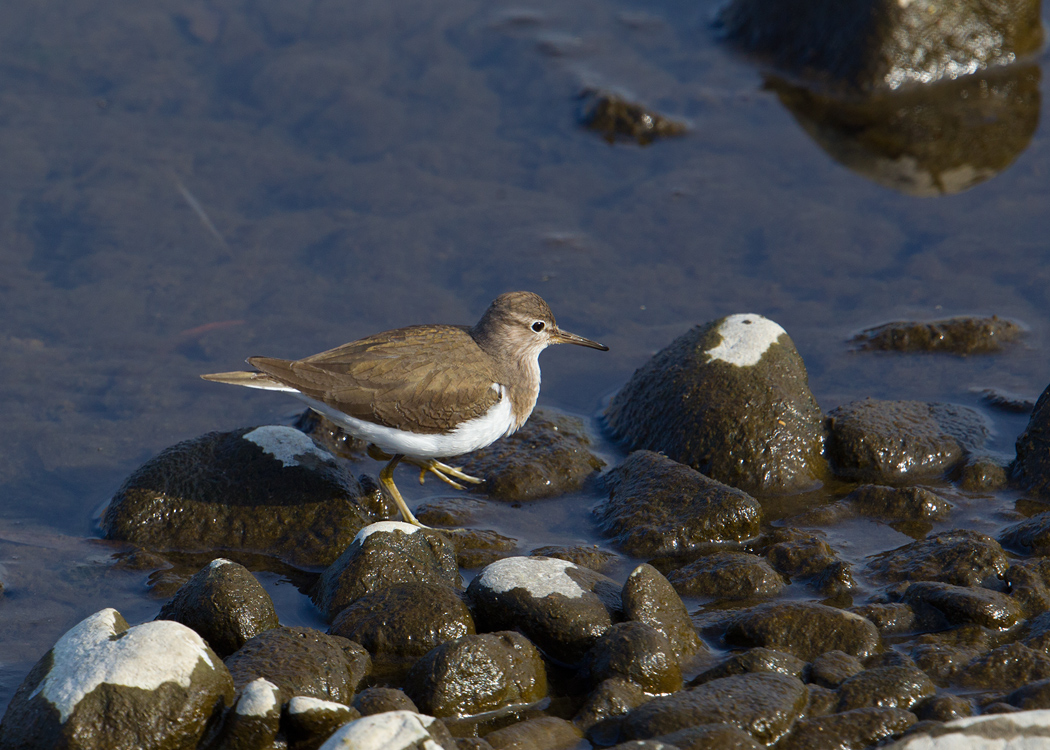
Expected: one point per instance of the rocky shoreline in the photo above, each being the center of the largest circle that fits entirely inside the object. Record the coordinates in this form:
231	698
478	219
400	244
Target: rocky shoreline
943	640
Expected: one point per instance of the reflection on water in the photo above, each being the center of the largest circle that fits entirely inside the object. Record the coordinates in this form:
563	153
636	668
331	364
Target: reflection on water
928	140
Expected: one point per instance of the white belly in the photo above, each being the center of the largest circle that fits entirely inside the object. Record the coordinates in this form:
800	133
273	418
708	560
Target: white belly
468	436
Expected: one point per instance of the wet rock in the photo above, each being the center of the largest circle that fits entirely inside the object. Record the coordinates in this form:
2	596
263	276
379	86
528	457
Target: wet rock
764	705
833	668
166	680
310	721
376	700
1006	667
650	598
804	629
836	580
382	555
727	575
962	558
944	655
885	687
710	737
268	490
548	456
476	548
890	442
478	673
657	506
601	714
225	605
1032	467
255	718
858	47
615	118
598	560
302	661
892	504
944	708
1020	730
542	733
637	652
562	608
889	618
822	701
964	335
397	625
982	474
451	511
395	730
961	605
1034	695
1031	537
1012	403
753	660
860	727
1036	632
731	399
797	553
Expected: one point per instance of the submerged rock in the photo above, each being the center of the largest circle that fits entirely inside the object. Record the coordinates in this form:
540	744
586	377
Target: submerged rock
658	506
615	118
953	336
961	558
730	399
890	442
268	490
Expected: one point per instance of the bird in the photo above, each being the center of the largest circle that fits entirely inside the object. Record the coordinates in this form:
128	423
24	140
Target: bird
425	392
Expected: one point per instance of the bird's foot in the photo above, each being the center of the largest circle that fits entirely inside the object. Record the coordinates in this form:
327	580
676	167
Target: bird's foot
444	472
386	479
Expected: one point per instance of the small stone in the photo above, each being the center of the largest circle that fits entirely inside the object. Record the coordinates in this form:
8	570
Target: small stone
963	335
890	442
961	604
861	727
1032	467
885	687
944	708
598	560
804	629
1030	537
616	118
657	506
893	504
753	660
542	733
310	721
832	668
727	575
225	604
446	681
1006	667
961	558
606	705
394	730
382	555
649	597
636	652
377	700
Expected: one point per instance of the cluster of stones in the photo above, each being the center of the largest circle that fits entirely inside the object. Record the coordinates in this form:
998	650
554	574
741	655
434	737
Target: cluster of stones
546	651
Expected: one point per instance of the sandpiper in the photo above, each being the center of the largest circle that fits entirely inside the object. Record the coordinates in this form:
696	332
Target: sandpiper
426	392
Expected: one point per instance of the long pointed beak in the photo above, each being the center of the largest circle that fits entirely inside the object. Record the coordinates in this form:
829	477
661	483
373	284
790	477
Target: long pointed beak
558	336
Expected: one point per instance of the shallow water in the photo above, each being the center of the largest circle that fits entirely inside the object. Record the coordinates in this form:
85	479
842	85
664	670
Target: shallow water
187	183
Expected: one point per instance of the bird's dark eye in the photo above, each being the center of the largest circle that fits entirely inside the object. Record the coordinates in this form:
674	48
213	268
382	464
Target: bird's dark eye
537	326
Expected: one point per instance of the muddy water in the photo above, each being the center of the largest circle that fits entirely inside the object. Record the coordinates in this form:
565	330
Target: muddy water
186	183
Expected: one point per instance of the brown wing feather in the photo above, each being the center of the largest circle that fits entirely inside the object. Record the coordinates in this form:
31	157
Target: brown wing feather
394	378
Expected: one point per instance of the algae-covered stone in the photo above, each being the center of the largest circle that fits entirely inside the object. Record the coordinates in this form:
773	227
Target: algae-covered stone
310	721
598	560
963	335
804	629
860	46
550	455
860	727
616	118
1031	536
637	652
764	705
961	605
892	504
732	400
886	687
377	700
541	733
602	711
962	557
302	661
832	668
562	608
478	673
268	490
1032	467
109	686
649	597
385	554
896	441
727	575
753	660
1006	667
399	624
658	506
225	604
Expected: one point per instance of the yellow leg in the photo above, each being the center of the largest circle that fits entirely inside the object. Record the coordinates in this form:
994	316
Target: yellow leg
386	479
444	472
